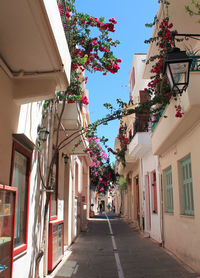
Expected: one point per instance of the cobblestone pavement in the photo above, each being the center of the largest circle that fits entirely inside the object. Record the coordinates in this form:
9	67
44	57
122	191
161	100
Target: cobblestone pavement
131	256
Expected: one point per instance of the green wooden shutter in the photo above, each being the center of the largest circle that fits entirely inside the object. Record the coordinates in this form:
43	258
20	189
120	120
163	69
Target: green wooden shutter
187	187
169	190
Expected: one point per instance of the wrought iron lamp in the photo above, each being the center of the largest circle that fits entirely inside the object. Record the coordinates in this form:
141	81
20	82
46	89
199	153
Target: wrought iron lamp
66	158
178	64
42	132
177	68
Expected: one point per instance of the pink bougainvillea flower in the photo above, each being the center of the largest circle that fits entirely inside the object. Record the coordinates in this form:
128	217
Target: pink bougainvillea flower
112	20
84	100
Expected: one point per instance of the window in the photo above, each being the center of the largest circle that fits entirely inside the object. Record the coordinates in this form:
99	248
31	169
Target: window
186	186
20	176
54	195
169	204
76	180
154	184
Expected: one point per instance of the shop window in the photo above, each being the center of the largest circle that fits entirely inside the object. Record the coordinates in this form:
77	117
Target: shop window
55	246
169	204
7	219
20	178
187	186
54	194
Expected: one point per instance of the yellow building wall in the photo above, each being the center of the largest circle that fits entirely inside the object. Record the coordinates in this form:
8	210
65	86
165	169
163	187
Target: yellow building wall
8	125
181	232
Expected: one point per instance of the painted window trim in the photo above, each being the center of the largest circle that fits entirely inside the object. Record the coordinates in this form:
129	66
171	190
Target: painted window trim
28	153
14	190
76	179
168	186
154	193
184	210
55	217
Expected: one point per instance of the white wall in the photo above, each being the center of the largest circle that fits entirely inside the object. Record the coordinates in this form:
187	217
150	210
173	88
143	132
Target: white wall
24	263
139	62
150	164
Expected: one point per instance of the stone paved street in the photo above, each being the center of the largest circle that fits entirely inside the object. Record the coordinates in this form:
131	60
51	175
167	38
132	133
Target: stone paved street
93	255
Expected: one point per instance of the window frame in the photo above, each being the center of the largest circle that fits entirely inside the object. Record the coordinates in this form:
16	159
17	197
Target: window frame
76	179
16	146
169	206
154	192
184	210
55	217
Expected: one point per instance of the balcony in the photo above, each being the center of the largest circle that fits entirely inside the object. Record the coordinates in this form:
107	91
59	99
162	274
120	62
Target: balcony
71	118
140	141
140	144
171	129
34	51
130	166
72	122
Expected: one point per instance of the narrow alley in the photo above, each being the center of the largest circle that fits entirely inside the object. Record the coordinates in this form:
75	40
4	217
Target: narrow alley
111	248
100	132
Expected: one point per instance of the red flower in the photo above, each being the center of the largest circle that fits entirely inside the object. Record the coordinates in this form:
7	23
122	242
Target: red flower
112	20
85	100
179	113
68	15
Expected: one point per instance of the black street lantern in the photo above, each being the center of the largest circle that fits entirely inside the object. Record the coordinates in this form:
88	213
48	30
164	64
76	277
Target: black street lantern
66	158
177	67
42	131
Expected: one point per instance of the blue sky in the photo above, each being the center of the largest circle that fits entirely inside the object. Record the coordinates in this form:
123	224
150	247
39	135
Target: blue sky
131	16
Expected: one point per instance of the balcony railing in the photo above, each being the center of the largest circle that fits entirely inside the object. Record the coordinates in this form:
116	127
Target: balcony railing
141	124
157	117
195	66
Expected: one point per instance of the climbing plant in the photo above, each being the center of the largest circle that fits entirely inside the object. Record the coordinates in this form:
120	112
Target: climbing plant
90	44
194	8
101	172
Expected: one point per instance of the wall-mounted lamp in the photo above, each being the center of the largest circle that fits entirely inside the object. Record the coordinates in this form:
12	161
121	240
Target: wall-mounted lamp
177	68
177	65
66	158
42	132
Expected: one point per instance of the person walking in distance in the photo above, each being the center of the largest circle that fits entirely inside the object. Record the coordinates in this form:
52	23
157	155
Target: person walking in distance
101	207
